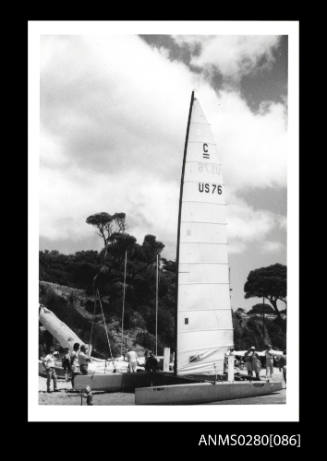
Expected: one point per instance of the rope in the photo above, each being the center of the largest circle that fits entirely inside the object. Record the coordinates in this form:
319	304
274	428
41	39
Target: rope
93	323
105	327
123	311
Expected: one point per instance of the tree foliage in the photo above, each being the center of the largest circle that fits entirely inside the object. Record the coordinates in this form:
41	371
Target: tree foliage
268	282
105	271
106	225
261	309
80	269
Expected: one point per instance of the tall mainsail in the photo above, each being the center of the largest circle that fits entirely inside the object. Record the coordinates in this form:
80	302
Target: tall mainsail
204	318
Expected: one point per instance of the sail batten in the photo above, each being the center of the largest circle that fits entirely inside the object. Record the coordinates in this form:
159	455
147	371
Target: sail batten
204	320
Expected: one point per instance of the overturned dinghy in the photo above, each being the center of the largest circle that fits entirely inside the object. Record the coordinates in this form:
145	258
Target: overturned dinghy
197	393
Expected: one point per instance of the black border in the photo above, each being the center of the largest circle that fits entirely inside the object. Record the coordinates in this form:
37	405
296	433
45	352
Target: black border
170	434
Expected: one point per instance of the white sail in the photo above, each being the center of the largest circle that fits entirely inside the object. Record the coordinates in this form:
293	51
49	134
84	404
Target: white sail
204	318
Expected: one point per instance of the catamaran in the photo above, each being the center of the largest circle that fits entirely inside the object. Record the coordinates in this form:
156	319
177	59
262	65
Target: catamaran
204	333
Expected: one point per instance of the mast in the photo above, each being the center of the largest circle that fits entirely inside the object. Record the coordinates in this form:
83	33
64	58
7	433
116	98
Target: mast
123	310
179	220
157	288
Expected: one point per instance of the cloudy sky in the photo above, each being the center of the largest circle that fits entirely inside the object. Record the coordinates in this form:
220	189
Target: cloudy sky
113	121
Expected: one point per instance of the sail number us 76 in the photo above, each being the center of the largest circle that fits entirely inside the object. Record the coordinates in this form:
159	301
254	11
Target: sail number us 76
210	188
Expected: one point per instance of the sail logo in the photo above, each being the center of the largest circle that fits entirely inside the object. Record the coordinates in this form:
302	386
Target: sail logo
210	168
205	153
204	355
210	188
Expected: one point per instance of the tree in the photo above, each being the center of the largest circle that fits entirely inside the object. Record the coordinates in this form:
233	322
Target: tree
151	247
261	309
107	225
268	282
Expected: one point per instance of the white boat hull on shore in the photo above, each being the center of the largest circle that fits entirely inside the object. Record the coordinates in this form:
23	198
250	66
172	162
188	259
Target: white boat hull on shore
125	382
197	393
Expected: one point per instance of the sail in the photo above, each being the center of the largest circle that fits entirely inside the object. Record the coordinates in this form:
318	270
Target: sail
204	317
59	330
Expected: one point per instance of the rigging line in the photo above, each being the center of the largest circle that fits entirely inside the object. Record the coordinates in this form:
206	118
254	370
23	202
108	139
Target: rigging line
93	323
157	301
105	326
123	312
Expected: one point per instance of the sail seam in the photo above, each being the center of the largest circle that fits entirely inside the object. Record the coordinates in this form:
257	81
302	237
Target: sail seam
208	329
194	182
204	163
199	309
204	222
205	283
201	142
218	263
207	243
207	203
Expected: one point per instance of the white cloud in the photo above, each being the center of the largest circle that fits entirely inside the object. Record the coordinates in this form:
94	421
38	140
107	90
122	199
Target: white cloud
271	246
234	56
247	225
113	119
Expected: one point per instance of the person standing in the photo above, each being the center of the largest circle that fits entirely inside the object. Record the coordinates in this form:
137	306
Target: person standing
74	363
83	360
49	364
151	363
66	364
282	365
269	361
251	359
132	360
229	364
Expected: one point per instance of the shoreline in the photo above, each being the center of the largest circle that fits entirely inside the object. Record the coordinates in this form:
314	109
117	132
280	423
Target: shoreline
65	396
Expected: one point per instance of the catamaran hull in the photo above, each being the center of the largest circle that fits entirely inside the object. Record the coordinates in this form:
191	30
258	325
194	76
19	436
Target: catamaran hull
125	382
198	393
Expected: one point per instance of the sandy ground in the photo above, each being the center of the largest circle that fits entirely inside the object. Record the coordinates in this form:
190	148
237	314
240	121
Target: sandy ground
66	397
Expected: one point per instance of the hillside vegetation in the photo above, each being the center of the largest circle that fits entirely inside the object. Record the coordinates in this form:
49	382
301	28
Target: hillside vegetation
67	288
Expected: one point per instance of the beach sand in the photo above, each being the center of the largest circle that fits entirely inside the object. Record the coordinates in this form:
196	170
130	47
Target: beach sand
66	397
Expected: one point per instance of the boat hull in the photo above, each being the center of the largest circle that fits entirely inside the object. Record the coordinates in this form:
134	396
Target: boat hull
125	382
197	393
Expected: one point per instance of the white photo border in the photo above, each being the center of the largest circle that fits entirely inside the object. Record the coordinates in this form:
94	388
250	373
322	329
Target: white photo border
282	412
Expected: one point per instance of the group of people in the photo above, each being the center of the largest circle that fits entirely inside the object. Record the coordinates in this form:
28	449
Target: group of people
74	363
253	363
151	363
